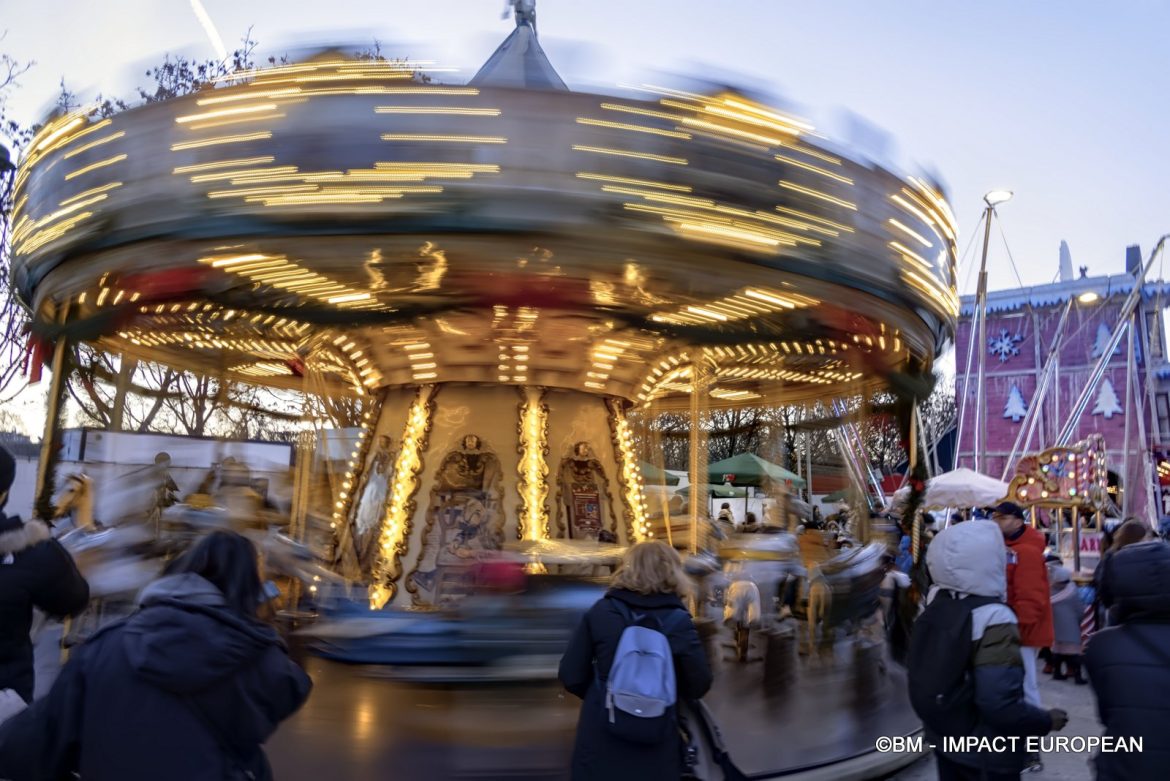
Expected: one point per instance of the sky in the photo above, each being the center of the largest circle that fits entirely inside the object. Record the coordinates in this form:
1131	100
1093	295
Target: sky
1067	104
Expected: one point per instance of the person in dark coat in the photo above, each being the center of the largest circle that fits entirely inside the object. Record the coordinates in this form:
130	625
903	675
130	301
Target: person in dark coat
1129	663
186	689
1130	532
970	560
650	581
35	572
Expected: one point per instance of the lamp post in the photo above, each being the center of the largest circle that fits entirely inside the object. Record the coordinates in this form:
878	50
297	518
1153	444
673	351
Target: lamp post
992	199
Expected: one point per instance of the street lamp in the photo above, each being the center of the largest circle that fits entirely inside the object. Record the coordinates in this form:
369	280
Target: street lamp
996	197
992	199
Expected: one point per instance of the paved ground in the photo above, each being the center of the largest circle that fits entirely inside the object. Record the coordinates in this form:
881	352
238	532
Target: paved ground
1082	720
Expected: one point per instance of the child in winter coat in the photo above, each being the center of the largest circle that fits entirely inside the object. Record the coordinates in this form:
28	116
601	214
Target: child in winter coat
1067	611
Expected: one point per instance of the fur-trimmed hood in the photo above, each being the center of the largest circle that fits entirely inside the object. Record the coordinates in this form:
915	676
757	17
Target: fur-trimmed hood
23	537
969	558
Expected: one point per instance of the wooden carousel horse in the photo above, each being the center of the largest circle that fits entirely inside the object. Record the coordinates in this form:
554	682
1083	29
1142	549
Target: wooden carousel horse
74	503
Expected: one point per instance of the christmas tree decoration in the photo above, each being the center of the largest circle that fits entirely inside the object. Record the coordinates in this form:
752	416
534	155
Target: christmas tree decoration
1016	407
1101	343
1004	345
1107	402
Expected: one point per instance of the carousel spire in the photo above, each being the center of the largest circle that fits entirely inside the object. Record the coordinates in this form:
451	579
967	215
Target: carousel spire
519	61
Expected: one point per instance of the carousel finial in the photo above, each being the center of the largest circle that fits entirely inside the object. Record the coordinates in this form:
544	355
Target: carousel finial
525	11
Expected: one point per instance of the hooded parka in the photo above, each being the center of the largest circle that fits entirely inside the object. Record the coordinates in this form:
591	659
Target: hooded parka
35	571
968	560
186	689
1129	664
598	753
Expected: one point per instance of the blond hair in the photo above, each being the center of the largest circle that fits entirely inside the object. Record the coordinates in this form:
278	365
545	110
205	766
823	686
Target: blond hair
652	568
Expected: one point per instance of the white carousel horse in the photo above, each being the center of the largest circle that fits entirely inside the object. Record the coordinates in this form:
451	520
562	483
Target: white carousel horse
742	611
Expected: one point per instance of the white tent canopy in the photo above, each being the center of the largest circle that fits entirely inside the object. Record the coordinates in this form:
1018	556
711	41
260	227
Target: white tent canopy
961	488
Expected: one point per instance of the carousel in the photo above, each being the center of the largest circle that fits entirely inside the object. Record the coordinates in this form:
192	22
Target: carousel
508	278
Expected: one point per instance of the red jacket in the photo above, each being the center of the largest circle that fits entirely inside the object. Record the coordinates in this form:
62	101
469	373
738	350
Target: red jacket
1027	584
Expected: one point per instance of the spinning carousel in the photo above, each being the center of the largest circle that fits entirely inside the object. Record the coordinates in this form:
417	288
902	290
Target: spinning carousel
507	275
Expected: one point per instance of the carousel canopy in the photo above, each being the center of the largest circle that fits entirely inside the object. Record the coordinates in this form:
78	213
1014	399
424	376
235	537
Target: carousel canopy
366	226
750	469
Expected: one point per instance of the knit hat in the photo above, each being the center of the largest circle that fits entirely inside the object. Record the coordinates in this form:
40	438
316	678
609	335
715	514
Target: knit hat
1009	508
7	473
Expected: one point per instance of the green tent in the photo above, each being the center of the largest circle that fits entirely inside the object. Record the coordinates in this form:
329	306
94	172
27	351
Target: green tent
717	491
750	469
655	476
841	495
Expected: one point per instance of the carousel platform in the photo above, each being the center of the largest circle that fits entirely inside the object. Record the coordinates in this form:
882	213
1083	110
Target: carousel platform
781	714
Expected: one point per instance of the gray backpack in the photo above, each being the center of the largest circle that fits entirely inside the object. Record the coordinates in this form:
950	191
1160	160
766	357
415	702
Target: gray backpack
641	687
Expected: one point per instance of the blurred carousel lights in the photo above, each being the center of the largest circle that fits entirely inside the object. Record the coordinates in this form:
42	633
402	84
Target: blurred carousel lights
277	271
748	303
604	358
630	473
356	364
401	505
358	456
513	334
667	366
422	361
533	466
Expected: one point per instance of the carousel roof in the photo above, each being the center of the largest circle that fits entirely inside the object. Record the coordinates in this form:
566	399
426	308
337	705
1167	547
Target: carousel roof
519	62
351	221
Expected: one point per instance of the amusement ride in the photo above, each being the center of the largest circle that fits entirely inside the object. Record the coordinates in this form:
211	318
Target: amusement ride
509	277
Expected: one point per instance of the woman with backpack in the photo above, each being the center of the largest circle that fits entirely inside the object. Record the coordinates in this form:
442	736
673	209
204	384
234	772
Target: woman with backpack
187	688
635	654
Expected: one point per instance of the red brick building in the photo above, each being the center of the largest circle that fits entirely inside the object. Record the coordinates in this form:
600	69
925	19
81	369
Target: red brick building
1021	333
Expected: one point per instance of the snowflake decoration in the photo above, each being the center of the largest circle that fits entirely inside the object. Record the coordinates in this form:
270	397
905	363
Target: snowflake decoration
1004	345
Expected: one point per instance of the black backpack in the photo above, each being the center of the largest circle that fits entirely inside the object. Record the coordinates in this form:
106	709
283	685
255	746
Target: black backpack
941	679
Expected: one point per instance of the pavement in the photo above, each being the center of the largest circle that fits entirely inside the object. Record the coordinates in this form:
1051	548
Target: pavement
1082	720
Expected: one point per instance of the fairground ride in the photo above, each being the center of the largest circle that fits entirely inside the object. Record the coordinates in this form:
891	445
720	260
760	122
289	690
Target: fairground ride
502	272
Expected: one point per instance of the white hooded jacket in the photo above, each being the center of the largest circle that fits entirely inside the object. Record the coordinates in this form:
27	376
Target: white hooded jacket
970	559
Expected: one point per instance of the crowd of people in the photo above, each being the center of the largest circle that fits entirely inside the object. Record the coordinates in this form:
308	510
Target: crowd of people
196	673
